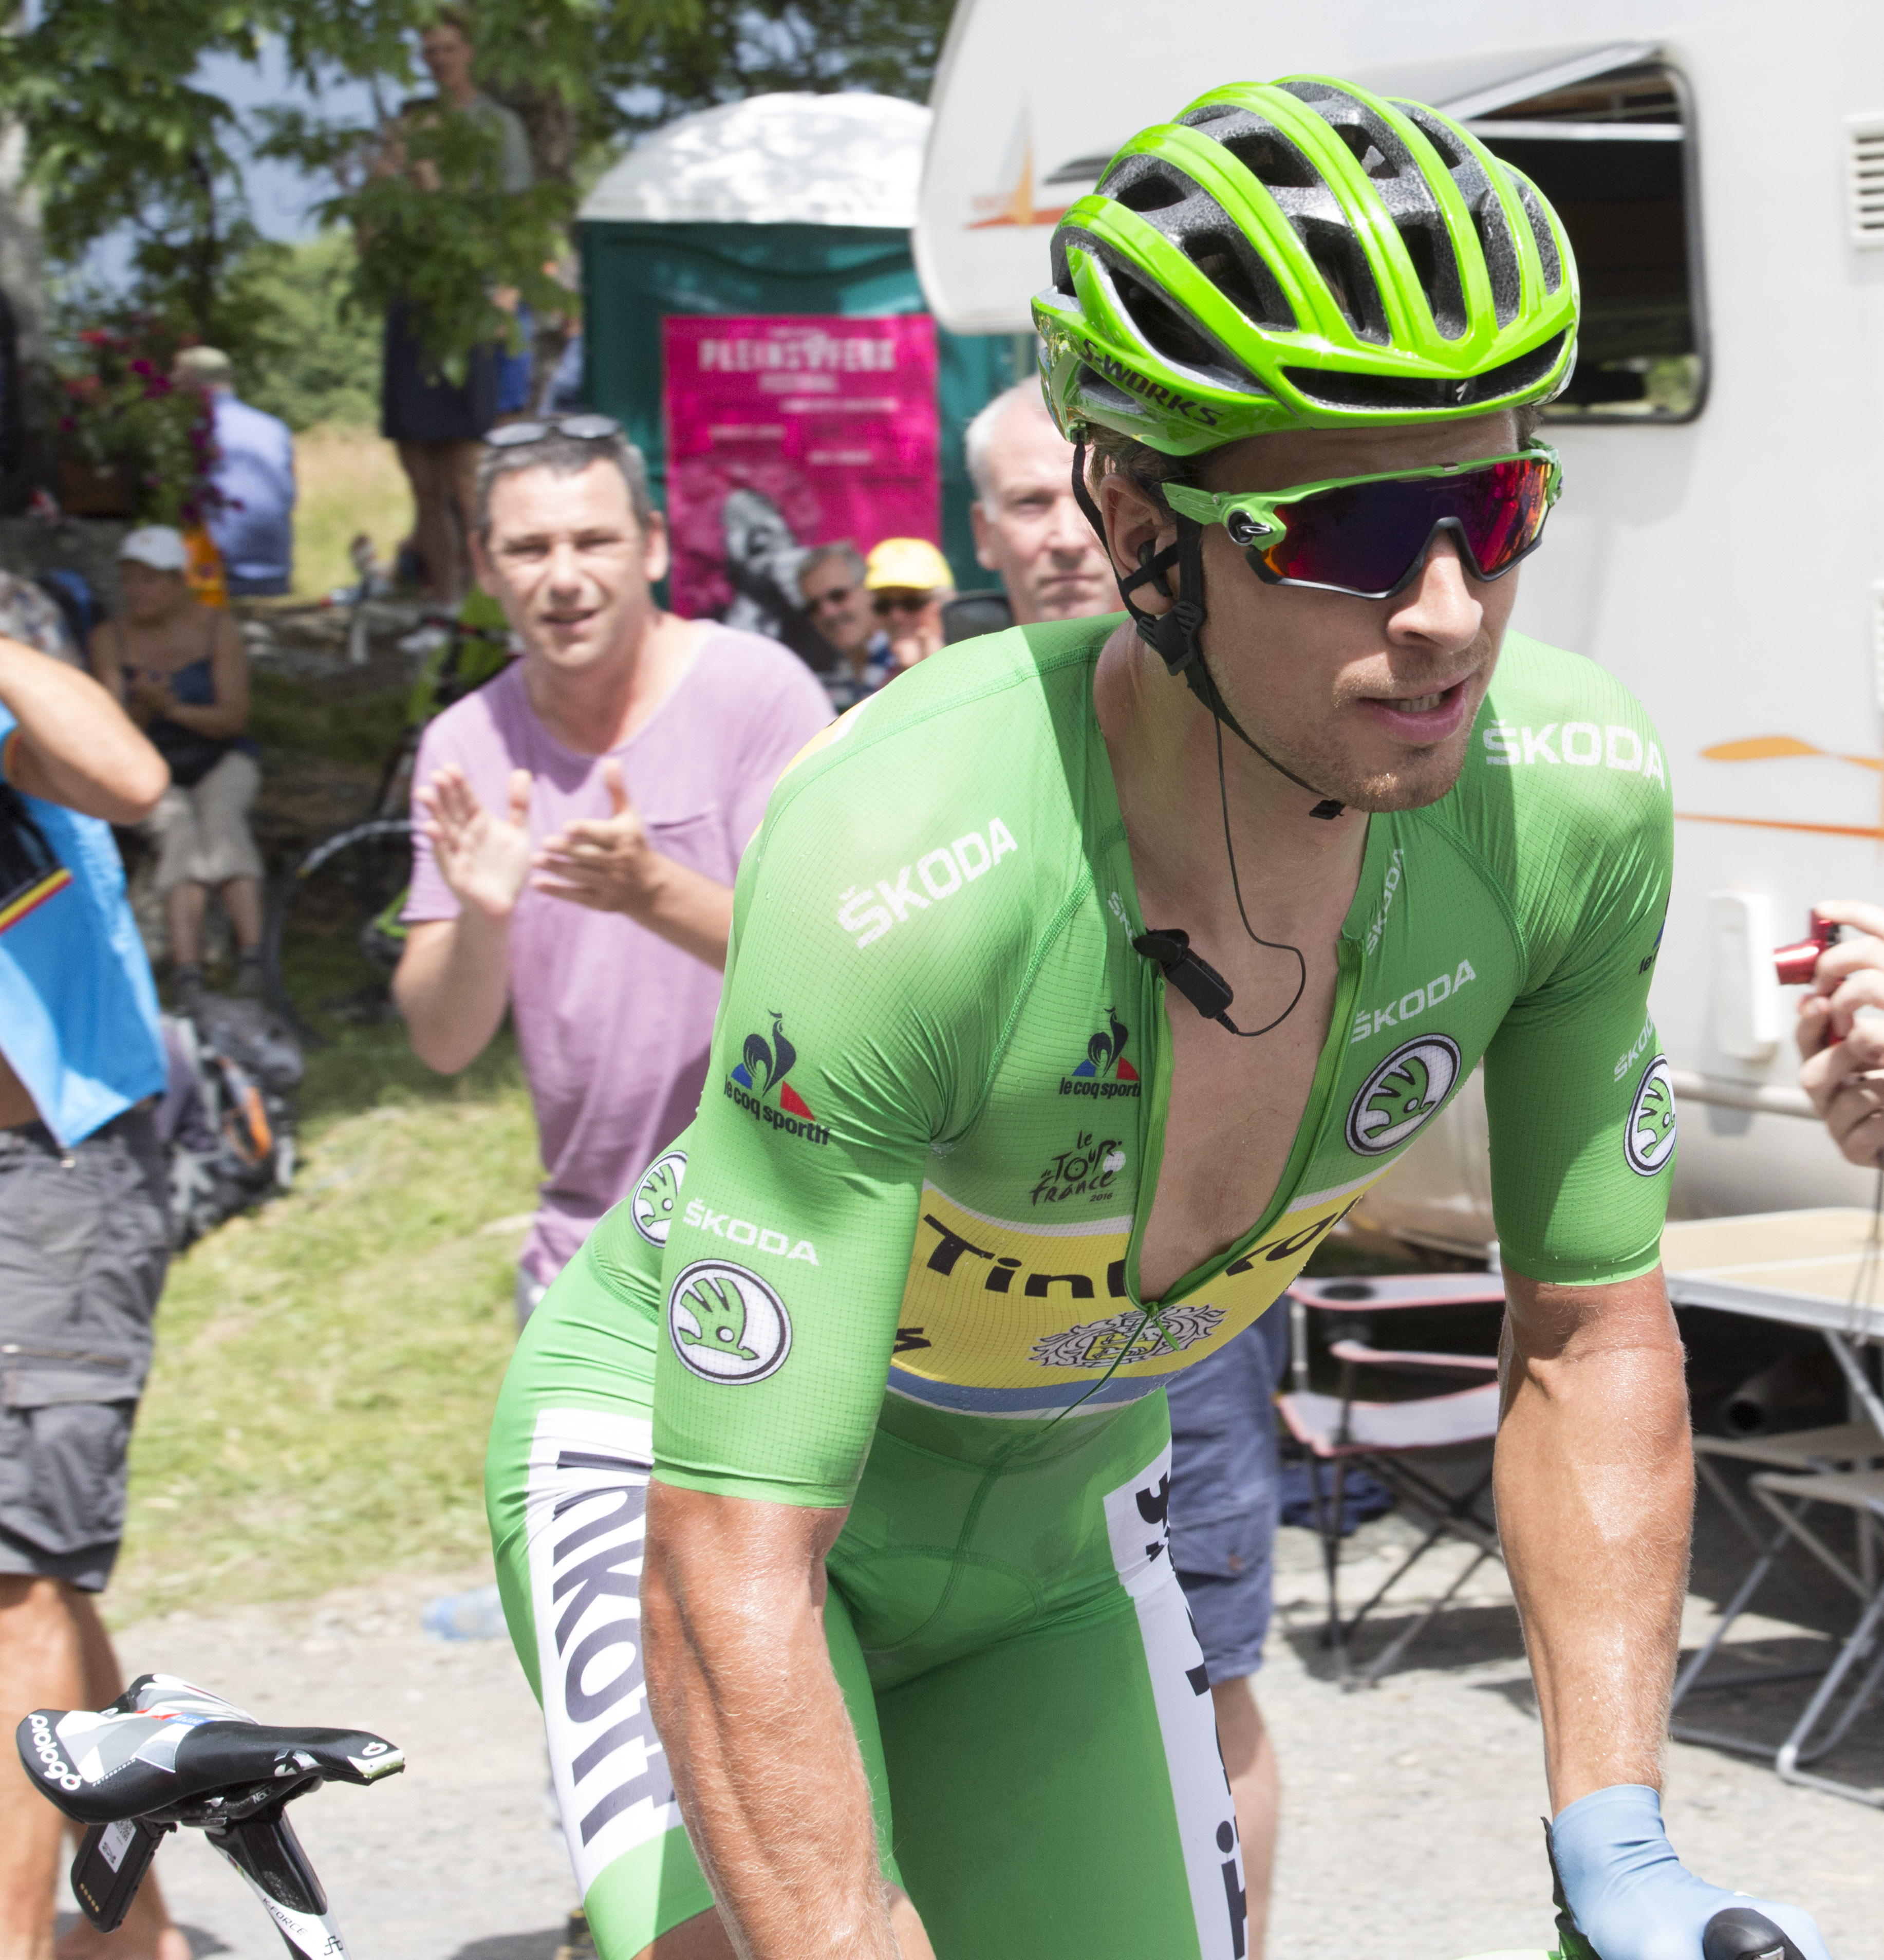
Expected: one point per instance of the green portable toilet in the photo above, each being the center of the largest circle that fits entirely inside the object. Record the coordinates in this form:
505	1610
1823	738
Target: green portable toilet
778	205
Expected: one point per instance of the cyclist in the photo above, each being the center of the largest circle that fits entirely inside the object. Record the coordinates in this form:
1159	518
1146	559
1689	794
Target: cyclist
853	1405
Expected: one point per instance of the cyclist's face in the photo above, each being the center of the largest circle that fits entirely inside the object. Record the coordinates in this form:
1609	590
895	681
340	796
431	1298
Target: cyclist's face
569	564
1370	700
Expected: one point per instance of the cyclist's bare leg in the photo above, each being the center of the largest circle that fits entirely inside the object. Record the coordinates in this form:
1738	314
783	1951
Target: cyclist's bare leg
1255	1788
703	1937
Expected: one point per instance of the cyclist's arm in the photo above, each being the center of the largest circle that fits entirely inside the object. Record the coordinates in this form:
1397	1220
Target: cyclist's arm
1594	1472
1595	1493
765	1761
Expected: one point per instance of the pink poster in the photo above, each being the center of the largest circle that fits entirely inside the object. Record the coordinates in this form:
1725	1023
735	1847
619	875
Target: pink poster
786	432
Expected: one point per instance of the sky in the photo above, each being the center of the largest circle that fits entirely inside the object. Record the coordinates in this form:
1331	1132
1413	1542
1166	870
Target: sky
279	195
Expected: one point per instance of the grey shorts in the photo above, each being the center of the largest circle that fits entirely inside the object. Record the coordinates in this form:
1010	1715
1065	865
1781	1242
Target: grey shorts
84	1240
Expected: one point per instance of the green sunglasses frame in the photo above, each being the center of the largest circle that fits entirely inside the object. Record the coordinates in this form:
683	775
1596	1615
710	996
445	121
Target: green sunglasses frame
1252	518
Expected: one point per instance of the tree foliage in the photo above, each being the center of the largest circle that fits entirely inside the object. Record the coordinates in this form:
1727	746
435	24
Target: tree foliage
122	139
317	356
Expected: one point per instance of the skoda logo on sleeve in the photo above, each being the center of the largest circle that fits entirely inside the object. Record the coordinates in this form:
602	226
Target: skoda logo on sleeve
1649	1141
652	1206
726	1324
1401	1094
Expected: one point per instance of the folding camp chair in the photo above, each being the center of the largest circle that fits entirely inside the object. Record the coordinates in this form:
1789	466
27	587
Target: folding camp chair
1381	1437
1839	1447
1788	1498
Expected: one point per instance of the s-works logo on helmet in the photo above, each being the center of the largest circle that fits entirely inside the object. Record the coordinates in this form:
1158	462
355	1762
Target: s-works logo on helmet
726	1324
1403	1091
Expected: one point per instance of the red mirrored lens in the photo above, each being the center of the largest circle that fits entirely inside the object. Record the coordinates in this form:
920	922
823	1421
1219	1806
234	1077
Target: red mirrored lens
1366	537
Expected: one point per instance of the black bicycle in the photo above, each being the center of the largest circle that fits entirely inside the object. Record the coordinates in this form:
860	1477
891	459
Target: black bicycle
332	934
166	1754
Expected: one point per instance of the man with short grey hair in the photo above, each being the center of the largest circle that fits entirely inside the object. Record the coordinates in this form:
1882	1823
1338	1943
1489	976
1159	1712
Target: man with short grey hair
580	820
1027	527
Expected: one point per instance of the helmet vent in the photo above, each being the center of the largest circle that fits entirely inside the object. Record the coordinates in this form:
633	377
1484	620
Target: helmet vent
1394	394
1541	231
1148	187
1241	277
1344	272
1501	258
1262	150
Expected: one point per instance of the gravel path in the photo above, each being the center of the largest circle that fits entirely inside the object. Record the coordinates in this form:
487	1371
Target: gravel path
1410	1809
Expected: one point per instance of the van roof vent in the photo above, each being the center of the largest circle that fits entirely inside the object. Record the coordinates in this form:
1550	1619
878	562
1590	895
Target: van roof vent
1864	165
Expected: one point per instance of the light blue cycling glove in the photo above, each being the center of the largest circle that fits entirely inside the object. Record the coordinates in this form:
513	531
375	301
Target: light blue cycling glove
1632	1898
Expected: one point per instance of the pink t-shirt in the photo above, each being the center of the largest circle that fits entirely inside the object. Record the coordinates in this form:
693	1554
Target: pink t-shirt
612	1021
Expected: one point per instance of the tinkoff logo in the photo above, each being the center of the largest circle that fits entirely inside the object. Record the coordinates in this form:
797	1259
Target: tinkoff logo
762	1068
1105	1071
1401	1094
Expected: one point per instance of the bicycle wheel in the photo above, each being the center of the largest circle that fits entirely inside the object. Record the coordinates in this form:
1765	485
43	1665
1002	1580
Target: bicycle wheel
332	936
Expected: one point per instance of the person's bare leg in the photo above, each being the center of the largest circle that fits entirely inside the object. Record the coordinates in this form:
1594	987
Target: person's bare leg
41	1666
703	1937
147	1932
242	899
1256	1791
184	907
461	474
431	517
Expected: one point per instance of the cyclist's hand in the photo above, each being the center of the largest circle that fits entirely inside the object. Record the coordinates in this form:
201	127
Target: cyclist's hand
605	863
485	860
1632	1898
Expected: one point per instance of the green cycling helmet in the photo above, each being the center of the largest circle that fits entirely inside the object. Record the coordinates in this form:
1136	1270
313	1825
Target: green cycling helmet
1302	254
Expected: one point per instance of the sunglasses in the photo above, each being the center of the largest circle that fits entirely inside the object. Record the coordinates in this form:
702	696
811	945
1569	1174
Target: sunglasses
1369	536
886	603
583	428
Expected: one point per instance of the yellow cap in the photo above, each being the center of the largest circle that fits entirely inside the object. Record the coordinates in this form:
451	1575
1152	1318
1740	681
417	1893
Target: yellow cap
910	564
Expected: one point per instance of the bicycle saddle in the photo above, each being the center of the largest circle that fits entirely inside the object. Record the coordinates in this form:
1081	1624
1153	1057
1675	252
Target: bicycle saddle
174	1753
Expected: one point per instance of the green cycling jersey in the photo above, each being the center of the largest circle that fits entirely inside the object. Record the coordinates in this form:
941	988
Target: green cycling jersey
935	1111
894	1266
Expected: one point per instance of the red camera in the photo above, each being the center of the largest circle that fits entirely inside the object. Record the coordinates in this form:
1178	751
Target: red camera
1796	964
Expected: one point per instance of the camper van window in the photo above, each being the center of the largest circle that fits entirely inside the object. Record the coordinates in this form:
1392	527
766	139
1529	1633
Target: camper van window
1616	155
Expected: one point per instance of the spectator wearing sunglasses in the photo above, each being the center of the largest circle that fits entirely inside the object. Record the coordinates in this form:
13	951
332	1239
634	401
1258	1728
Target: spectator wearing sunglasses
909	582
580	820
837	604
84	1231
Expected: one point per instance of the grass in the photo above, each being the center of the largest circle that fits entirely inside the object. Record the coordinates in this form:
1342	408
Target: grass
325	1367
350	481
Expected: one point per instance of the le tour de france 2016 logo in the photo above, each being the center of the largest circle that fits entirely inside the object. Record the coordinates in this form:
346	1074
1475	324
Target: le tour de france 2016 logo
657	1193
757	1083
1649	1141
727	1323
1401	1094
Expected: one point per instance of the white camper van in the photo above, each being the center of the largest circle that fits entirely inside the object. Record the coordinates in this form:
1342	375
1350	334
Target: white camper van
1720	543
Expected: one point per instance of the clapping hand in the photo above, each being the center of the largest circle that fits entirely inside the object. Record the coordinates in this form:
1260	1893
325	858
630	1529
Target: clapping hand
484	859
604	863
1841	1034
151	695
